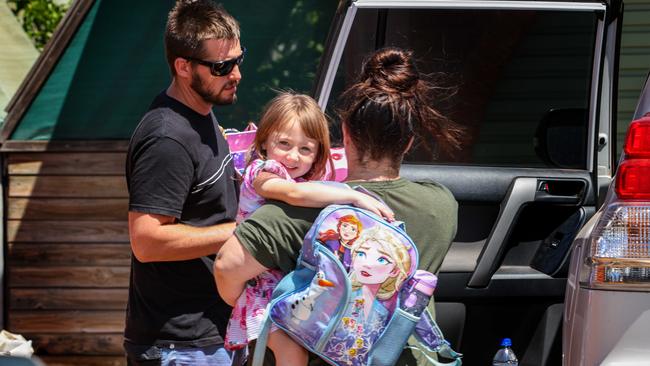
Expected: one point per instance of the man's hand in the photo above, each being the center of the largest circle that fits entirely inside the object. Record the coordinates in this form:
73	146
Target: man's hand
233	267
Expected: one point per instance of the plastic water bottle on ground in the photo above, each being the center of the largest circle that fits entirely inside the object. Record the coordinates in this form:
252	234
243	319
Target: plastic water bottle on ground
505	356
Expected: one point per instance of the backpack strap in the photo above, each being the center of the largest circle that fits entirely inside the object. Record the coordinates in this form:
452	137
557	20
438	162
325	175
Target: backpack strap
431	339
262	340
444	353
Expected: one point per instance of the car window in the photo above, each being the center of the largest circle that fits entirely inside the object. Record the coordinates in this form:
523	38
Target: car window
511	79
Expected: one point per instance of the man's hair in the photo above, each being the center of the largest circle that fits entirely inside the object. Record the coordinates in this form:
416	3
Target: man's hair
190	23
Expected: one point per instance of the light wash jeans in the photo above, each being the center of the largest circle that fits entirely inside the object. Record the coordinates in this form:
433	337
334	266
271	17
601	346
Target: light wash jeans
185	356
205	356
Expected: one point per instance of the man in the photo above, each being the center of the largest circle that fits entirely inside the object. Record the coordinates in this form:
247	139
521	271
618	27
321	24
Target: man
183	195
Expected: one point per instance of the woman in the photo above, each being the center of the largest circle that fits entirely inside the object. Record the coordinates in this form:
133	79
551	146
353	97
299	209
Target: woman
382	114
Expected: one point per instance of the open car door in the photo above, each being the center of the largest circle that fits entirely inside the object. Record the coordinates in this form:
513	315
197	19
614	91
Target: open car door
532	84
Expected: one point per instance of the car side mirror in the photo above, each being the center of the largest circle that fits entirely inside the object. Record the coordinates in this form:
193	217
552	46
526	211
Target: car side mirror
561	138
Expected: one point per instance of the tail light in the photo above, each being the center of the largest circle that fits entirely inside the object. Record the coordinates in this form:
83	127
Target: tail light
619	255
633	179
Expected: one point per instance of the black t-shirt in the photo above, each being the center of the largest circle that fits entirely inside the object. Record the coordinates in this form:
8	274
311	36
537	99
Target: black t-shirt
178	165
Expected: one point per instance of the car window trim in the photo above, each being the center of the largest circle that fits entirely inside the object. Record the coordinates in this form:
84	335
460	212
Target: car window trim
335	59
483	5
599	119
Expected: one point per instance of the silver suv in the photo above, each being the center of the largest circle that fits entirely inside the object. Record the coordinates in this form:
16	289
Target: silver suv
607	303
534	85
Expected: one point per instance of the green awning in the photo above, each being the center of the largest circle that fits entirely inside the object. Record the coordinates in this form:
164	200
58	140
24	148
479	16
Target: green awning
115	65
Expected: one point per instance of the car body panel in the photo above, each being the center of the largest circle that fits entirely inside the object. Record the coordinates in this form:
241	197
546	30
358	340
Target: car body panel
603	327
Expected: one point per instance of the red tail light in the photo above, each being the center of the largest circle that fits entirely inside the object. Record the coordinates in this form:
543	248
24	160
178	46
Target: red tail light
633	179
633	176
618	257
637	141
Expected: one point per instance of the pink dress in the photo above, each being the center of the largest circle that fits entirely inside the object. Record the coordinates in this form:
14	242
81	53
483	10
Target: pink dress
248	314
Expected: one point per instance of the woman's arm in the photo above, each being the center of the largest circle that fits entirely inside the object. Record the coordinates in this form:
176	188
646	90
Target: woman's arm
308	194
234	266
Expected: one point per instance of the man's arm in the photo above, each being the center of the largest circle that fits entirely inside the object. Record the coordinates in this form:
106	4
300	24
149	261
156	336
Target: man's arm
232	268
158	238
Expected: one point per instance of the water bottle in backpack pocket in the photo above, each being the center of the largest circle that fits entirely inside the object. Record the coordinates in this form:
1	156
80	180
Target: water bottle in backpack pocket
413	300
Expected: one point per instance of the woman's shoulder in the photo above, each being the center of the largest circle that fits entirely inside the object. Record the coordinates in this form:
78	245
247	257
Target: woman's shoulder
431	194
432	187
429	188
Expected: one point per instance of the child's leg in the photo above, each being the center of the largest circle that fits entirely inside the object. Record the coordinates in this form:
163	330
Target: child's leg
286	351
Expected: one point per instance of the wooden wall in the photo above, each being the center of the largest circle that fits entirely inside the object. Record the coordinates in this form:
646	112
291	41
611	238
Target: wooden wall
68	254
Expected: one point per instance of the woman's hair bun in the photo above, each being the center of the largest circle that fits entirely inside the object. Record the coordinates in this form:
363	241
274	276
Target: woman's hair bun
391	69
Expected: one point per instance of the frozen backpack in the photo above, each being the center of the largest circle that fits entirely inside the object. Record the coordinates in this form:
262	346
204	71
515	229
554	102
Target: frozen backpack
356	294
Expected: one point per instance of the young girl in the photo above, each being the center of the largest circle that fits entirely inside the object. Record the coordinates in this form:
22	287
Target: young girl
291	147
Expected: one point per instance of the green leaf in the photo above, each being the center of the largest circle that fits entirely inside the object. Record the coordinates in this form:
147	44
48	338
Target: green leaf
39	18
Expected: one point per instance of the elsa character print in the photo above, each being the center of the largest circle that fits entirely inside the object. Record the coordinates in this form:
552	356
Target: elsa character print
348	229
380	264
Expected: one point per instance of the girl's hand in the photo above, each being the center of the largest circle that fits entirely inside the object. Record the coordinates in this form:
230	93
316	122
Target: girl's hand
369	203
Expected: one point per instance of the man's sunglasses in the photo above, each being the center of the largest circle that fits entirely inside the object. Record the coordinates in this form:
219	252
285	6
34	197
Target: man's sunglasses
221	68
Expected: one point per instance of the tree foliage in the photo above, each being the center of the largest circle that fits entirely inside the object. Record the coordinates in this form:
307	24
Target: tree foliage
39	18
284	50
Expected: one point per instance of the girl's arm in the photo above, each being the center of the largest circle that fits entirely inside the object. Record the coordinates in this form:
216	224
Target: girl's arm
307	194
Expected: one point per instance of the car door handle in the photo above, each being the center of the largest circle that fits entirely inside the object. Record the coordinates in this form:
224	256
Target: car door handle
565	191
551	198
